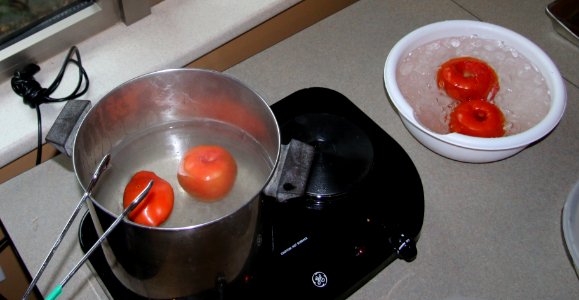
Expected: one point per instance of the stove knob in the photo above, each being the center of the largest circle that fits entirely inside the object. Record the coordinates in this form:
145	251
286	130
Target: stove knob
404	247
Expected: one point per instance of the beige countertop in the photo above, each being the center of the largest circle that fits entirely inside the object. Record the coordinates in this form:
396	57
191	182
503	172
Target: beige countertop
491	231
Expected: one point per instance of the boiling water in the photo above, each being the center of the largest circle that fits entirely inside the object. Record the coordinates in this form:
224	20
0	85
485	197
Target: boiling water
523	97
160	149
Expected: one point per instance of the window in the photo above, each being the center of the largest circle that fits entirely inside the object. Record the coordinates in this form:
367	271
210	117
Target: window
34	30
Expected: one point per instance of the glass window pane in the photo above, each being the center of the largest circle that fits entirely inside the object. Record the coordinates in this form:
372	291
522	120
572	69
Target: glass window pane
22	18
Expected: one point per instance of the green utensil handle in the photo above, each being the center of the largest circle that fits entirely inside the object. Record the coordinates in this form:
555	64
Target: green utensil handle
55	293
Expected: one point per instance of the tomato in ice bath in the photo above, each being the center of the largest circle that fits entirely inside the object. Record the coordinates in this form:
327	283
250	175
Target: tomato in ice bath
467	78
207	172
478	118
157	205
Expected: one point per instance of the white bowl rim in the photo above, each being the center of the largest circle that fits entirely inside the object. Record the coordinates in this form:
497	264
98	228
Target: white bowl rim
558	91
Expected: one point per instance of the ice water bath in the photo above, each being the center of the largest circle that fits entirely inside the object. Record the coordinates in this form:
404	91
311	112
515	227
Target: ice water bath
523	97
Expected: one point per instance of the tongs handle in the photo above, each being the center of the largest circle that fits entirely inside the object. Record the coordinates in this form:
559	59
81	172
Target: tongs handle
58	290
103	165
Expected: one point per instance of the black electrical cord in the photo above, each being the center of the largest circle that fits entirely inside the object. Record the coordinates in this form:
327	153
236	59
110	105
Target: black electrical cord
33	95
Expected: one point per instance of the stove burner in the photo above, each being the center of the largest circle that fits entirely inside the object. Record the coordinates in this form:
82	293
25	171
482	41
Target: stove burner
301	251
343	152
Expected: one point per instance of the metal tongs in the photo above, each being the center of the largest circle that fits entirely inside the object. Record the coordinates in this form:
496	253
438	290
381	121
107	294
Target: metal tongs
103	165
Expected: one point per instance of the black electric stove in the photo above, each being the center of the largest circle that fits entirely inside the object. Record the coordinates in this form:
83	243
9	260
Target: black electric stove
363	208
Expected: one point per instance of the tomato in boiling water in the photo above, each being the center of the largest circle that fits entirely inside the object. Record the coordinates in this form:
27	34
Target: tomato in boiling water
157	205
207	172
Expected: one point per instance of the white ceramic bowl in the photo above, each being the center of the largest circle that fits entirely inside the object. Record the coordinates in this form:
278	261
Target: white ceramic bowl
462	147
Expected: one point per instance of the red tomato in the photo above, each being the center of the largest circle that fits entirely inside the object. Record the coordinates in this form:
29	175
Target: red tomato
467	78
157	205
207	172
477	118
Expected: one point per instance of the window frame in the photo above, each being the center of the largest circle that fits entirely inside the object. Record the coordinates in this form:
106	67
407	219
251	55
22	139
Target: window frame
70	31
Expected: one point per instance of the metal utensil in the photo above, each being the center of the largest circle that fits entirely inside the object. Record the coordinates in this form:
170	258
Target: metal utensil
103	165
58	290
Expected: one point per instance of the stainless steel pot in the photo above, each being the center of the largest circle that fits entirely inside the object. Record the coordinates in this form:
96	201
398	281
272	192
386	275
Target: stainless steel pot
149	123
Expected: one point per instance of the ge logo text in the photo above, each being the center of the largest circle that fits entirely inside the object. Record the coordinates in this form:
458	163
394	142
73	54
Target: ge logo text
320	279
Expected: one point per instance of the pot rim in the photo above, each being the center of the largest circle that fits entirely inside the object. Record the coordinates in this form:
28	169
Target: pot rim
179	70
